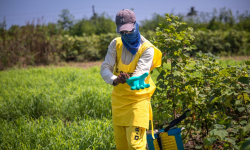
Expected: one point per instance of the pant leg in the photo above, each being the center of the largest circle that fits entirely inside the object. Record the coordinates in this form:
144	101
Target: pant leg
136	137
120	137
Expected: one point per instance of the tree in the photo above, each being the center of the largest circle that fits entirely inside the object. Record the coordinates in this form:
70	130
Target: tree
97	24
192	12
2	27
66	19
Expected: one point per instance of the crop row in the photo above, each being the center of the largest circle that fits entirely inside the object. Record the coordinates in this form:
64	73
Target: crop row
49	134
63	93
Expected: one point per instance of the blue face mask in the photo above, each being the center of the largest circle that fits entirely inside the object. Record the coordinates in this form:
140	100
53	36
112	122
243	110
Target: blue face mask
132	40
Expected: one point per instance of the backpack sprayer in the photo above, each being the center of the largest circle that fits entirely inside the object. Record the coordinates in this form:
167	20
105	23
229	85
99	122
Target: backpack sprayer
168	138
165	139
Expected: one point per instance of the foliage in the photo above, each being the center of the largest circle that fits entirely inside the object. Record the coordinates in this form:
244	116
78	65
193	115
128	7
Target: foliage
227	43
222	19
104	41
42	45
86	48
98	24
28	45
57	108
80	48
63	93
217	96
46	133
66	19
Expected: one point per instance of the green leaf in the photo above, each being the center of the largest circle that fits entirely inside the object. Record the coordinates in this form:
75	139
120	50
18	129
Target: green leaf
244	80
241	109
198	146
218	126
209	141
227	101
177	73
247	62
230	141
202	95
245	145
247	128
219	132
236	147
243	122
216	99
193	47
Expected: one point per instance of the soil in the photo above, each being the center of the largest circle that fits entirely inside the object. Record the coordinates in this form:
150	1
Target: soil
86	65
83	65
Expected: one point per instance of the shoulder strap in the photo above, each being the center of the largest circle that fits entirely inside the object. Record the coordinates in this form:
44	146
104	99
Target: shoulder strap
118	48
157	54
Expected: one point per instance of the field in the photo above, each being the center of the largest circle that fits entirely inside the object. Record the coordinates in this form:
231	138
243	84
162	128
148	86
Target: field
57	108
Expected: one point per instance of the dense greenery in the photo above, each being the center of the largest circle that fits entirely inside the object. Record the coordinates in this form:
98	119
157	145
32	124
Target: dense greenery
36	45
217	96
46	133
69	108
55	108
87	39
222	19
63	93
58	108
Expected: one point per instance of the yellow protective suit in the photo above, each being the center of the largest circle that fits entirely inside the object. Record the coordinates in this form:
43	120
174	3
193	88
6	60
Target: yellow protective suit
132	107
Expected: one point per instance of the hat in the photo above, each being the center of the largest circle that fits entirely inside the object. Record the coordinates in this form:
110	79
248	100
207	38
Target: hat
125	20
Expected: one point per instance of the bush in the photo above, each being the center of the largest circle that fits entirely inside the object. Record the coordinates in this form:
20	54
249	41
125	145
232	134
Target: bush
227	43
29	45
217	96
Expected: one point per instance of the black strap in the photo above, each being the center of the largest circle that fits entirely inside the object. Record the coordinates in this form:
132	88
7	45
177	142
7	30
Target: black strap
176	121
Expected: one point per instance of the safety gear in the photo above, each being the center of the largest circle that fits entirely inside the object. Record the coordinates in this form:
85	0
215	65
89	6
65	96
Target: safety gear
132	107
130	137
137	82
132	41
122	78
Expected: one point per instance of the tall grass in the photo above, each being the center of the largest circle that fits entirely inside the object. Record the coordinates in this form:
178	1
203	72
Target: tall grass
62	93
49	134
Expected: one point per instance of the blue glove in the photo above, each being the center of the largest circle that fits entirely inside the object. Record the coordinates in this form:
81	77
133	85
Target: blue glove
138	82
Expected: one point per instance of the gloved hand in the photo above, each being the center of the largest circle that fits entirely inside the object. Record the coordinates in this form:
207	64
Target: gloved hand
137	82
121	78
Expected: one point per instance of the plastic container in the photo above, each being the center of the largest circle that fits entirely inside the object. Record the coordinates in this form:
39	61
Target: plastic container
172	132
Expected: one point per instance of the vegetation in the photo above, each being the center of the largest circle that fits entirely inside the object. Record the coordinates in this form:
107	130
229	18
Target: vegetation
217	96
35	45
87	39
56	108
70	108
222	19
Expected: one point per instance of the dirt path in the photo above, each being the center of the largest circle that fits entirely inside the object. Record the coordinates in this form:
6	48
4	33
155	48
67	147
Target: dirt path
83	65
86	65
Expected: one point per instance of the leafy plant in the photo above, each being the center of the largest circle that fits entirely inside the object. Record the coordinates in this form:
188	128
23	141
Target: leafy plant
217	96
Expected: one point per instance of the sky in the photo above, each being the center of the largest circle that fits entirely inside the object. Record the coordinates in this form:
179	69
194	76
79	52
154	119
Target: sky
19	12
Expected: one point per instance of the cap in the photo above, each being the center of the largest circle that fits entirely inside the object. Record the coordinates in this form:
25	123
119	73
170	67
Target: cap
125	20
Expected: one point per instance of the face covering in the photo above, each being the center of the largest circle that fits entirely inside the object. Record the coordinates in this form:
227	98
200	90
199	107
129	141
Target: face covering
132	40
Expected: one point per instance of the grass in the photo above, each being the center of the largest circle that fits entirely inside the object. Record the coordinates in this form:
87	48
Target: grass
57	108
55	92
54	134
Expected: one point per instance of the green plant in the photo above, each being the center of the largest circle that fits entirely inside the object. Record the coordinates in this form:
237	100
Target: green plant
47	133
217	96
63	93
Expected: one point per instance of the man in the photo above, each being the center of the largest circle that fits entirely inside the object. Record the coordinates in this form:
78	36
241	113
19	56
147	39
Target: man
127	56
